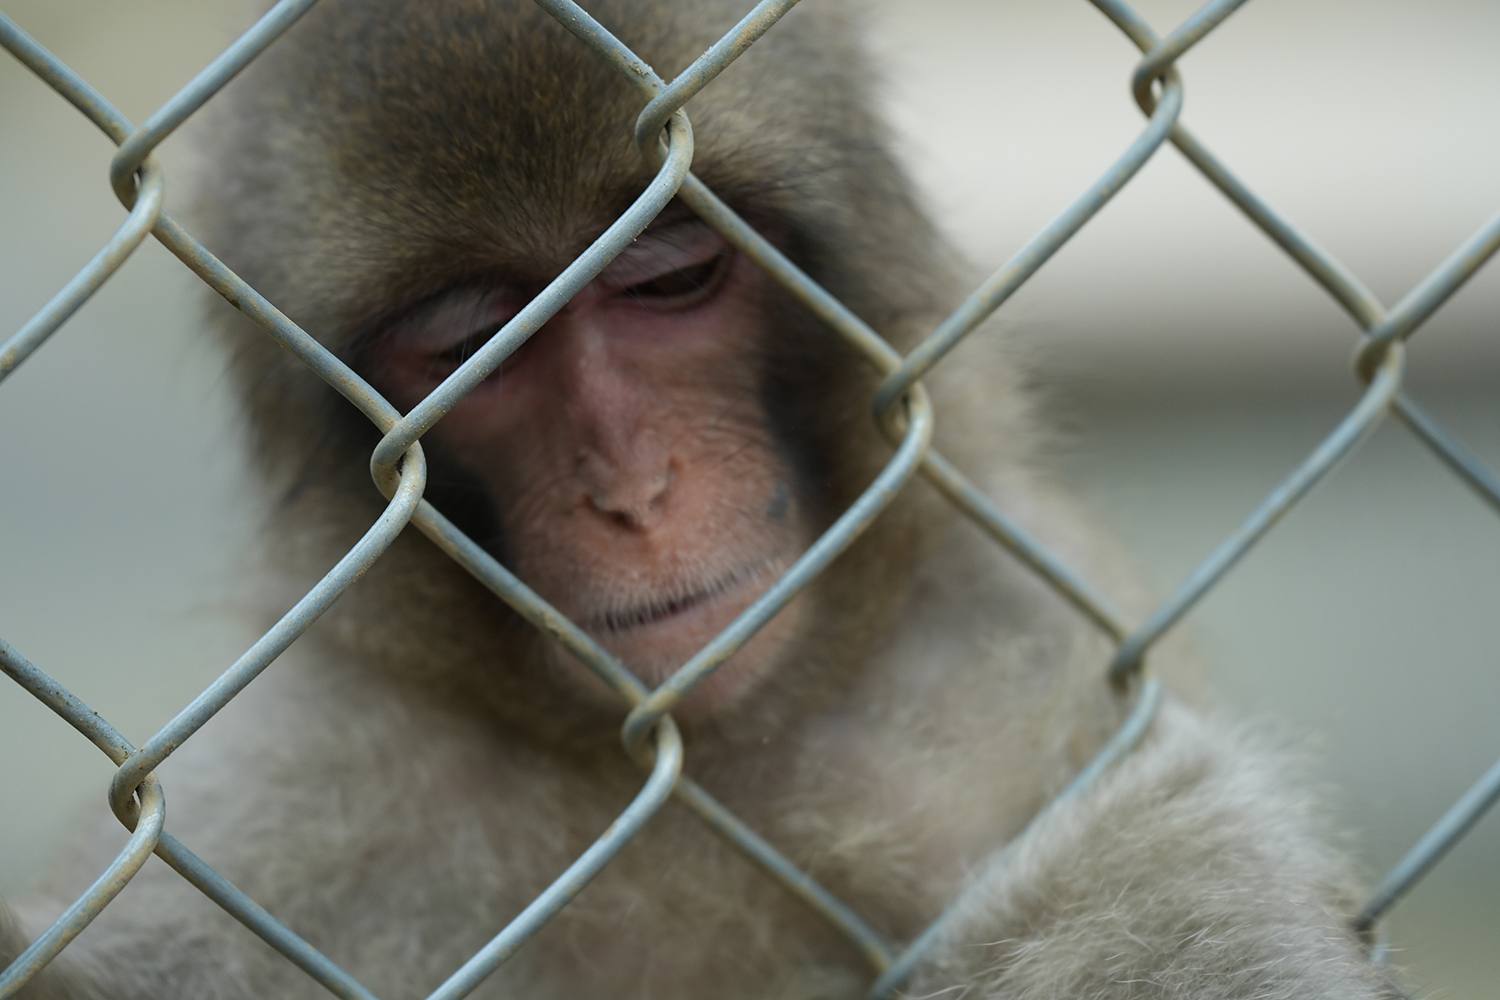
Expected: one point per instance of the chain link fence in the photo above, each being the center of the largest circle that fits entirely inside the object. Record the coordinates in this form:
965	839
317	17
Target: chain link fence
902	412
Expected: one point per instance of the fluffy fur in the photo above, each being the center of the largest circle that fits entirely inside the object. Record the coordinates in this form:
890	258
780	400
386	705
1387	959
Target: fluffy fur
414	771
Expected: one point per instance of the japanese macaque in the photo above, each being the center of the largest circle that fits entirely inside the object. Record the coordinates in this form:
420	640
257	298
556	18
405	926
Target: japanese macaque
400	177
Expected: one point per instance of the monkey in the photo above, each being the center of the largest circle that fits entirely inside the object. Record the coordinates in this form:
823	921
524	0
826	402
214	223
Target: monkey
401	177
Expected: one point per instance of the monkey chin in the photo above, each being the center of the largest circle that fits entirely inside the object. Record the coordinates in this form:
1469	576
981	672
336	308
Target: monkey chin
655	639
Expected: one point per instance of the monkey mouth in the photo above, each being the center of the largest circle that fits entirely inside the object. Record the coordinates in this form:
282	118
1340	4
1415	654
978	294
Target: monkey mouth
652	612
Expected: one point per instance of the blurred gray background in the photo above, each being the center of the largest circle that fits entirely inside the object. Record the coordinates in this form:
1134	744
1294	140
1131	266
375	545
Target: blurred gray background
1188	362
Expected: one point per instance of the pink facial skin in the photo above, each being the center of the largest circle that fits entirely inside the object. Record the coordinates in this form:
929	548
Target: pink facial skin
625	447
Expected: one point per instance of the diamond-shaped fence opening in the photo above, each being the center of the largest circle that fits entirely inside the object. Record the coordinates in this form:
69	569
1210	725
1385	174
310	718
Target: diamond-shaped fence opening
902	412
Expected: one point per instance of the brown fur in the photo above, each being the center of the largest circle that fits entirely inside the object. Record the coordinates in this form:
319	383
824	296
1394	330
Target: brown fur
413	772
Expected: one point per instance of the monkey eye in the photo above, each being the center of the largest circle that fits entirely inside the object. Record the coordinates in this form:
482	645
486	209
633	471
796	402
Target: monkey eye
683	287
438	335
675	267
465	348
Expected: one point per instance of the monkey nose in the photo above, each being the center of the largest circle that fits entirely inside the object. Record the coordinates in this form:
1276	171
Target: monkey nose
633	498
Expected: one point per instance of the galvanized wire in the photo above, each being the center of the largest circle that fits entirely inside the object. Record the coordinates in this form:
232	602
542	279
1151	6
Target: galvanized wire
900	407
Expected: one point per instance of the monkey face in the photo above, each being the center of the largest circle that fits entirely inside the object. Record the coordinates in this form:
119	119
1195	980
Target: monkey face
624	450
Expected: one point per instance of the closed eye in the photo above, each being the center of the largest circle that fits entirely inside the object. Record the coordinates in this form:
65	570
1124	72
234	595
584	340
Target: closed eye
465	348
681	288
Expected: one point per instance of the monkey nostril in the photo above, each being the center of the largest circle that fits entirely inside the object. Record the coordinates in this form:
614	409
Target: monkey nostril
663	485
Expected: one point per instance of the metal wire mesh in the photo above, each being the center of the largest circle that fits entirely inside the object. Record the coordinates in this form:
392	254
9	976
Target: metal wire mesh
902	411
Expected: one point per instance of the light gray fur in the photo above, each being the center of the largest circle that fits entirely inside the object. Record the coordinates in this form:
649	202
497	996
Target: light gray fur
412	773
